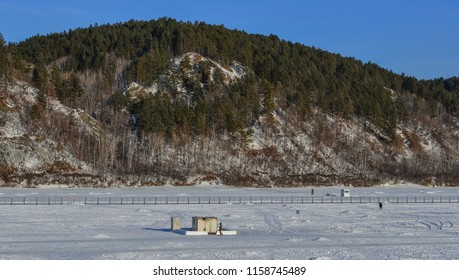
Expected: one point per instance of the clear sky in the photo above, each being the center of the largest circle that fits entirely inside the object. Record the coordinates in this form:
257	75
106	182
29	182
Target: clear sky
417	37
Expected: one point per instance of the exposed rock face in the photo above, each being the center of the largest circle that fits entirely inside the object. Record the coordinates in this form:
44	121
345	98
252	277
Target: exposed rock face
189	68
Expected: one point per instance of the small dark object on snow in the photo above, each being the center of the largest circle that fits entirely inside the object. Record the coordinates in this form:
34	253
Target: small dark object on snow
380	205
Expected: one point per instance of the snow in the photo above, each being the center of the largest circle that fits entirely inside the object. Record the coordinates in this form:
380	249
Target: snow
13	126
320	231
234	72
57	106
28	92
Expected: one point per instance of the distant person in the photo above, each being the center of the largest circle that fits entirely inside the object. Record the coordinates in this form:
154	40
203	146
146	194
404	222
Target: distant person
220	229
380	205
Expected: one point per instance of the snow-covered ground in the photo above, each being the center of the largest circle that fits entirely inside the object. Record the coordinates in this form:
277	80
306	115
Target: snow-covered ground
320	231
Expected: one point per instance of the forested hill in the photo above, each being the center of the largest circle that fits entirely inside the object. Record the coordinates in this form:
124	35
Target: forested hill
308	76
201	81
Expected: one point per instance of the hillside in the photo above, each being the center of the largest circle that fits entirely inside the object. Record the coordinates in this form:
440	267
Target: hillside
172	102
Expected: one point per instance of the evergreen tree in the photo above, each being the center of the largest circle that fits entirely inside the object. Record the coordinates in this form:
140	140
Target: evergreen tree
268	99
57	82
40	77
75	88
3	60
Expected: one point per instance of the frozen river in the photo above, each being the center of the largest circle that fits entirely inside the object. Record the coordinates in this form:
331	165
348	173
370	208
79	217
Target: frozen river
277	231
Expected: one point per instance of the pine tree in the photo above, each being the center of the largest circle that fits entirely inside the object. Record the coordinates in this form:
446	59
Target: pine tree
75	89
40	76
56	80
40	79
268	99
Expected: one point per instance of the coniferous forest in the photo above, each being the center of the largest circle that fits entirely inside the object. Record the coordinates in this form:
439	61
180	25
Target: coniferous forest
295	114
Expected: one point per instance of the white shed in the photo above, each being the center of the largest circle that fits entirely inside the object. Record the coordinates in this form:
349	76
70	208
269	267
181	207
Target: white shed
345	193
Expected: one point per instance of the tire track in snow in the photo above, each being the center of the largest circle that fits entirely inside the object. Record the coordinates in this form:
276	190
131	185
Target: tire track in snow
273	223
438	226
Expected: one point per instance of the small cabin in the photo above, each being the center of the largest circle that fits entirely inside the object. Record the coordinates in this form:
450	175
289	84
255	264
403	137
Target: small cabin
208	224
345	193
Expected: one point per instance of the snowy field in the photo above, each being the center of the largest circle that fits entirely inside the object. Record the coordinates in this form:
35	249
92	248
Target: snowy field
320	231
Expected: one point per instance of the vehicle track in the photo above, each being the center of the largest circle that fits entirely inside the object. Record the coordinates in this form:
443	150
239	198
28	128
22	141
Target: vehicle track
274	225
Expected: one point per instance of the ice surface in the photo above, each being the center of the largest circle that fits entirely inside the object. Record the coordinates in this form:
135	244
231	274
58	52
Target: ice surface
320	231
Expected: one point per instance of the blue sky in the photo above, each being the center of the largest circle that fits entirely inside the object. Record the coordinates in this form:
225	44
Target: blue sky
416	37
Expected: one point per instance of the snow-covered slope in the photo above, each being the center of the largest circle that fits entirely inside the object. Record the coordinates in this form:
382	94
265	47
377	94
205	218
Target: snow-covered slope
26	152
277	149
